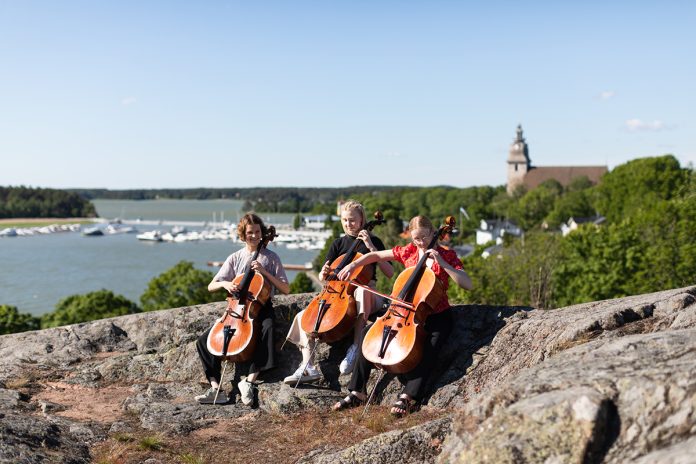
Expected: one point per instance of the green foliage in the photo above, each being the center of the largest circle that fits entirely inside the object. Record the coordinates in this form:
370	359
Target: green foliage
638	184
12	321
520	275
573	204
88	307
182	285
301	284
297	221
535	205
579	183
651	251
25	202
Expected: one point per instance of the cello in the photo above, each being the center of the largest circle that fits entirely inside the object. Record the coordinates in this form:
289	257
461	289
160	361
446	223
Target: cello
394	343
332	313
233	336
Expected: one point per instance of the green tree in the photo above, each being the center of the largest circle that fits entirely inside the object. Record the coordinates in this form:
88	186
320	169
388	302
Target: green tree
297	221
301	284
536	204
638	184
12	321
573	204
521	274
88	307
182	285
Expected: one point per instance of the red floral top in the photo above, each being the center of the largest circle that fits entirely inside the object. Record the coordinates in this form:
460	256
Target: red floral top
408	256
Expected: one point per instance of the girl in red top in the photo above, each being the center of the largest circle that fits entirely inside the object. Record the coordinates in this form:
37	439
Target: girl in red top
445	264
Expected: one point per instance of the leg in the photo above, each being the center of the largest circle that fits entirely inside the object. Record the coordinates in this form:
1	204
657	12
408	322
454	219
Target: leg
211	364
438	327
212	368
361	372
264	355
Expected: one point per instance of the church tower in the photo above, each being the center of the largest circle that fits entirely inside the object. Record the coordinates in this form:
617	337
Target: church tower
518	162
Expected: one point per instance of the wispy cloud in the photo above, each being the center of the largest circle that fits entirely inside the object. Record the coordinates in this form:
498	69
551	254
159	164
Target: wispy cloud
129	101
637	125
606	95
394	154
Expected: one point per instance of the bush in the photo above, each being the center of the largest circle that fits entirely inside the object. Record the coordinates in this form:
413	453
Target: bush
12	321
182	285
301	284
88	307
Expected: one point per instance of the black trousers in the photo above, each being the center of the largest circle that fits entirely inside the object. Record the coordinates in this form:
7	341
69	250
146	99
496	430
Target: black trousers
264	354
438	326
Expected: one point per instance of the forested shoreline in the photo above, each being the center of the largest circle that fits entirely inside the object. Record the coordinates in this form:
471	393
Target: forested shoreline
28	202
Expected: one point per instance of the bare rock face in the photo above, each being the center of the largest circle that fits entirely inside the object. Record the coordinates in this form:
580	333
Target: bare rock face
614	386
607	381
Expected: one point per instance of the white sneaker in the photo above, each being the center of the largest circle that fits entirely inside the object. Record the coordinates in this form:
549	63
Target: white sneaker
310	374
247	391
346	366
209	397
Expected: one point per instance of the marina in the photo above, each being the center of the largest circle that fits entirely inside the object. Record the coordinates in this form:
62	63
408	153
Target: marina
42	265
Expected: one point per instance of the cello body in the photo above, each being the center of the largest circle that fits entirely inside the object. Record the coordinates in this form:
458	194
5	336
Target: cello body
331	314
240	318
395	341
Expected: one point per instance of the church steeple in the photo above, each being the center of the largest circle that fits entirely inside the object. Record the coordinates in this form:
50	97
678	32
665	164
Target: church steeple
518	161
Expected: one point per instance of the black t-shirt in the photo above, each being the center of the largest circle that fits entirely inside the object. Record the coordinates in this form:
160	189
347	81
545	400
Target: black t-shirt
342	244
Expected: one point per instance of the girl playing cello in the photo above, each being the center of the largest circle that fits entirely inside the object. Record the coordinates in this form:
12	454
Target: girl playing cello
445	264
353	221
250	230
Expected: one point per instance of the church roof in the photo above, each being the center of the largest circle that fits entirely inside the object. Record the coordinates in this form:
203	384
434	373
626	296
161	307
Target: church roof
563	174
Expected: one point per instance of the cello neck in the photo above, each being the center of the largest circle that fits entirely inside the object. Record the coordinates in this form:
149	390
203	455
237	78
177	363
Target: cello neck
350	254
412	281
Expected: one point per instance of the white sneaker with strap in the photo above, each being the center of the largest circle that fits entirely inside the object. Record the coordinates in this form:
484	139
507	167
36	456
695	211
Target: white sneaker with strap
303	375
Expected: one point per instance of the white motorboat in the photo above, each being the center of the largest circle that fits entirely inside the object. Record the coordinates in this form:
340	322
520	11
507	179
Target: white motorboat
92	232
151	236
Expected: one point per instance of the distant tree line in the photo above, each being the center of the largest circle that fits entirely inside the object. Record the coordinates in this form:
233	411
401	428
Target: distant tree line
27	202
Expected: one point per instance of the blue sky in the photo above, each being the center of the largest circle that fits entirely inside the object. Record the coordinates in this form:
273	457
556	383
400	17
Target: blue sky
153	94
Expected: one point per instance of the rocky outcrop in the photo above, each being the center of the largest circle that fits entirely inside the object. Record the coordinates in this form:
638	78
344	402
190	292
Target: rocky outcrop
605	381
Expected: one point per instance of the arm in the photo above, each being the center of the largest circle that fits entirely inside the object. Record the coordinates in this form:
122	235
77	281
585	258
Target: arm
283	287
384	266
374	257
459	276
215	285
224	277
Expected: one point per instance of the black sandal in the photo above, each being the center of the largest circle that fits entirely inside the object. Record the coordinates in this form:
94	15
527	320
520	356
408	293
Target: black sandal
349	402
404	405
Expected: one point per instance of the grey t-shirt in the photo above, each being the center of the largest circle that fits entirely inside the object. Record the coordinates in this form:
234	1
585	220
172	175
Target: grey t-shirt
236	263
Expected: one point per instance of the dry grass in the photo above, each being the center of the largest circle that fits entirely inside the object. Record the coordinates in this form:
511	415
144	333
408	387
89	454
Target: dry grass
260	438
580	340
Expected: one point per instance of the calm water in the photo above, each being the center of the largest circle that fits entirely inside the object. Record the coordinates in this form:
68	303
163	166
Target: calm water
38	271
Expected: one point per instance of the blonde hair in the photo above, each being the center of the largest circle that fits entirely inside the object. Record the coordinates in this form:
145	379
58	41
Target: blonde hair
420	222
350	205
247	220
